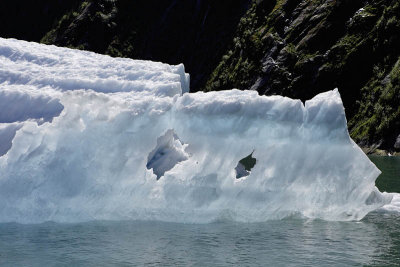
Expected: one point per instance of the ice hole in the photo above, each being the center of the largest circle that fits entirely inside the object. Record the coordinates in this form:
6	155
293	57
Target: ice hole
245	165
169	151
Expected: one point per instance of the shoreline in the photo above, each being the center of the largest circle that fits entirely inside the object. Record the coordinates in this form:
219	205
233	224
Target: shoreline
379	152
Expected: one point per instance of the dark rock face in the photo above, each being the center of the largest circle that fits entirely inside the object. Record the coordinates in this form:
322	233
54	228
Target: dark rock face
31	20
296	48
193	32
301	48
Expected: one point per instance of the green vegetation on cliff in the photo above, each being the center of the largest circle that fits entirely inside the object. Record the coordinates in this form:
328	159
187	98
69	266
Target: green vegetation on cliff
299	49
287	47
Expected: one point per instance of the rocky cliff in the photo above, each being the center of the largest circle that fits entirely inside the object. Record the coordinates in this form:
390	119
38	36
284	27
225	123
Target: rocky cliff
31	20
287	47
301	48
195	32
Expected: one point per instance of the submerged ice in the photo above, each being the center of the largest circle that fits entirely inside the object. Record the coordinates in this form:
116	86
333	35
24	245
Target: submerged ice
90	137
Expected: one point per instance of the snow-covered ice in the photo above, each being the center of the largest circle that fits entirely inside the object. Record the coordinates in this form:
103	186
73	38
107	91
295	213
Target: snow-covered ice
85	136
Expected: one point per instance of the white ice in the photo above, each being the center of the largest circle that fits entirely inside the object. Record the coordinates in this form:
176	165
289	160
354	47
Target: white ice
394	205
90	137
168	152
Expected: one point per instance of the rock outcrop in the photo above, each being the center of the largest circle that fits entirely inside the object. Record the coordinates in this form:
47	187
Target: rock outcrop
301	48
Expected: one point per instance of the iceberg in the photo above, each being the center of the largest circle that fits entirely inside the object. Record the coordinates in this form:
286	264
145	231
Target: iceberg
89	137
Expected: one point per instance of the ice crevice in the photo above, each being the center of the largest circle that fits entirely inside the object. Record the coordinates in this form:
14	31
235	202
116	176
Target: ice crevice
89	137
170	150
244	166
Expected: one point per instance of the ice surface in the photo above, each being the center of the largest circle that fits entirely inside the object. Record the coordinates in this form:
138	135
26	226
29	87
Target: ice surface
394	205
7	134
93	134
20	103
25	63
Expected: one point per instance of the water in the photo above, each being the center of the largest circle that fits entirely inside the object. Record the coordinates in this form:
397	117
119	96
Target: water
389	180
374	241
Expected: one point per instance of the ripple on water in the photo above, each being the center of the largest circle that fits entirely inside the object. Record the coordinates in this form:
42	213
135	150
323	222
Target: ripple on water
291	242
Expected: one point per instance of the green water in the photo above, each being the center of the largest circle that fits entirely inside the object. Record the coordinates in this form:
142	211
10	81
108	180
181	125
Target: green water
374	241
389	180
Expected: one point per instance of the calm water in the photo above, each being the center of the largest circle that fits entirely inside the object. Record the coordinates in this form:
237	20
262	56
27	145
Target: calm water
389	180
375	241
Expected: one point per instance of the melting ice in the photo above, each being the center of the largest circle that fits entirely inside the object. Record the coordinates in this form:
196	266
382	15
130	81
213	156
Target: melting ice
89	137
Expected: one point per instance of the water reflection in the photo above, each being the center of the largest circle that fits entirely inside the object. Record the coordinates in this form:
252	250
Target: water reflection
373	241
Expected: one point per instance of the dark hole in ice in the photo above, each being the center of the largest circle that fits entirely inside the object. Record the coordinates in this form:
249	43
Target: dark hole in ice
245	165
169	151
